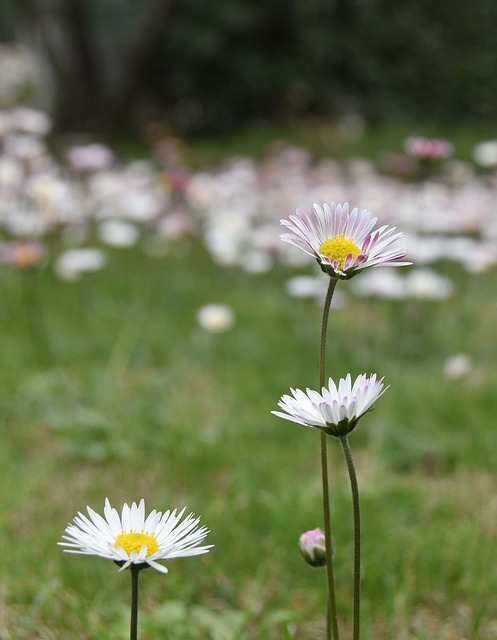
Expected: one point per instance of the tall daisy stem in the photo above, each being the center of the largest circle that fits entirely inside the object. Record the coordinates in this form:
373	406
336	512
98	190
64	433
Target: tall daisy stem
135	573
357	535
324	328
332	610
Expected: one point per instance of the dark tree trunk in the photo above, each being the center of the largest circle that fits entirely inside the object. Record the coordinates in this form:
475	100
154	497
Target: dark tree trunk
159	14
69	40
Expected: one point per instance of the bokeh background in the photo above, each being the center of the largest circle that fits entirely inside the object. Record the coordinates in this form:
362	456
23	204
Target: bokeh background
151	318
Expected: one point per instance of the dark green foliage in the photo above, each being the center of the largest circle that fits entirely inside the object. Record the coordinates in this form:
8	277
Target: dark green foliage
214	67
378	57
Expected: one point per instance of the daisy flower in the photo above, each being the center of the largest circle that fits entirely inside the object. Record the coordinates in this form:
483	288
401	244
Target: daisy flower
343	242
336	410
215	318
132	539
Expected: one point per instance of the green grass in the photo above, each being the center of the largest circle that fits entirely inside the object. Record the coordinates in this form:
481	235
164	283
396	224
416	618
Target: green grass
130	399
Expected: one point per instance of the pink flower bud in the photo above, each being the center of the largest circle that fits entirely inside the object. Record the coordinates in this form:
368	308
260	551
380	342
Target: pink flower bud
312	547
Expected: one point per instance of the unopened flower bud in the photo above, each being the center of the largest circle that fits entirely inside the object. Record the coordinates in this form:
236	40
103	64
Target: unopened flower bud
313	548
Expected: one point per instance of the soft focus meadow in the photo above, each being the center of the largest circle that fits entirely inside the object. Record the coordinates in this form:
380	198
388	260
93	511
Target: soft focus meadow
121	379
151	320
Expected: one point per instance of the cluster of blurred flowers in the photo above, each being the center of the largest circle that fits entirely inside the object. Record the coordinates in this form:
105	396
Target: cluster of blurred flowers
446	208
83	198
90	203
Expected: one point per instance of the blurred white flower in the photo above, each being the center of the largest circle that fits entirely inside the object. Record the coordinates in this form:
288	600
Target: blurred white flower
11	176
306	287
90	157
257	261
27	120
425	284
314	288
474	255
24	146
141	205
105	186
73	263
485	154
216	318
26	223
52	197
118	233
383	284
458	366
426	249
225	234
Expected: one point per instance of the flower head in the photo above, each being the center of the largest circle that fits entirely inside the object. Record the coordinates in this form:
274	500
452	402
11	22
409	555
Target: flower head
431	149
215	318
72	263
312	546
485	154
90	157
133	539
343	242
336	410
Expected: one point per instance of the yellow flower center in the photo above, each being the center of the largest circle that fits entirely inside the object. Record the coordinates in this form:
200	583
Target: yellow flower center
338	248
133	541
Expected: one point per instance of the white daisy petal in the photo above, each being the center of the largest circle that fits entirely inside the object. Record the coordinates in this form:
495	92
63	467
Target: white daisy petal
159	567
112	518
126	518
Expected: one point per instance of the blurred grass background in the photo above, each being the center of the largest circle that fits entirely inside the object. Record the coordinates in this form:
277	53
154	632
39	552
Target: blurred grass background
135	400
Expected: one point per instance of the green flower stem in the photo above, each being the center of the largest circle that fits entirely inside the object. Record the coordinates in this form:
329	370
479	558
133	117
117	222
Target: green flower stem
332	610
357	535
333	619
135	573
324	327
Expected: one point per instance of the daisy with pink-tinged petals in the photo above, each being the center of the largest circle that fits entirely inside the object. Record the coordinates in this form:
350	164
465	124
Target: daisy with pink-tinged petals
130	539
337	409
343	242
